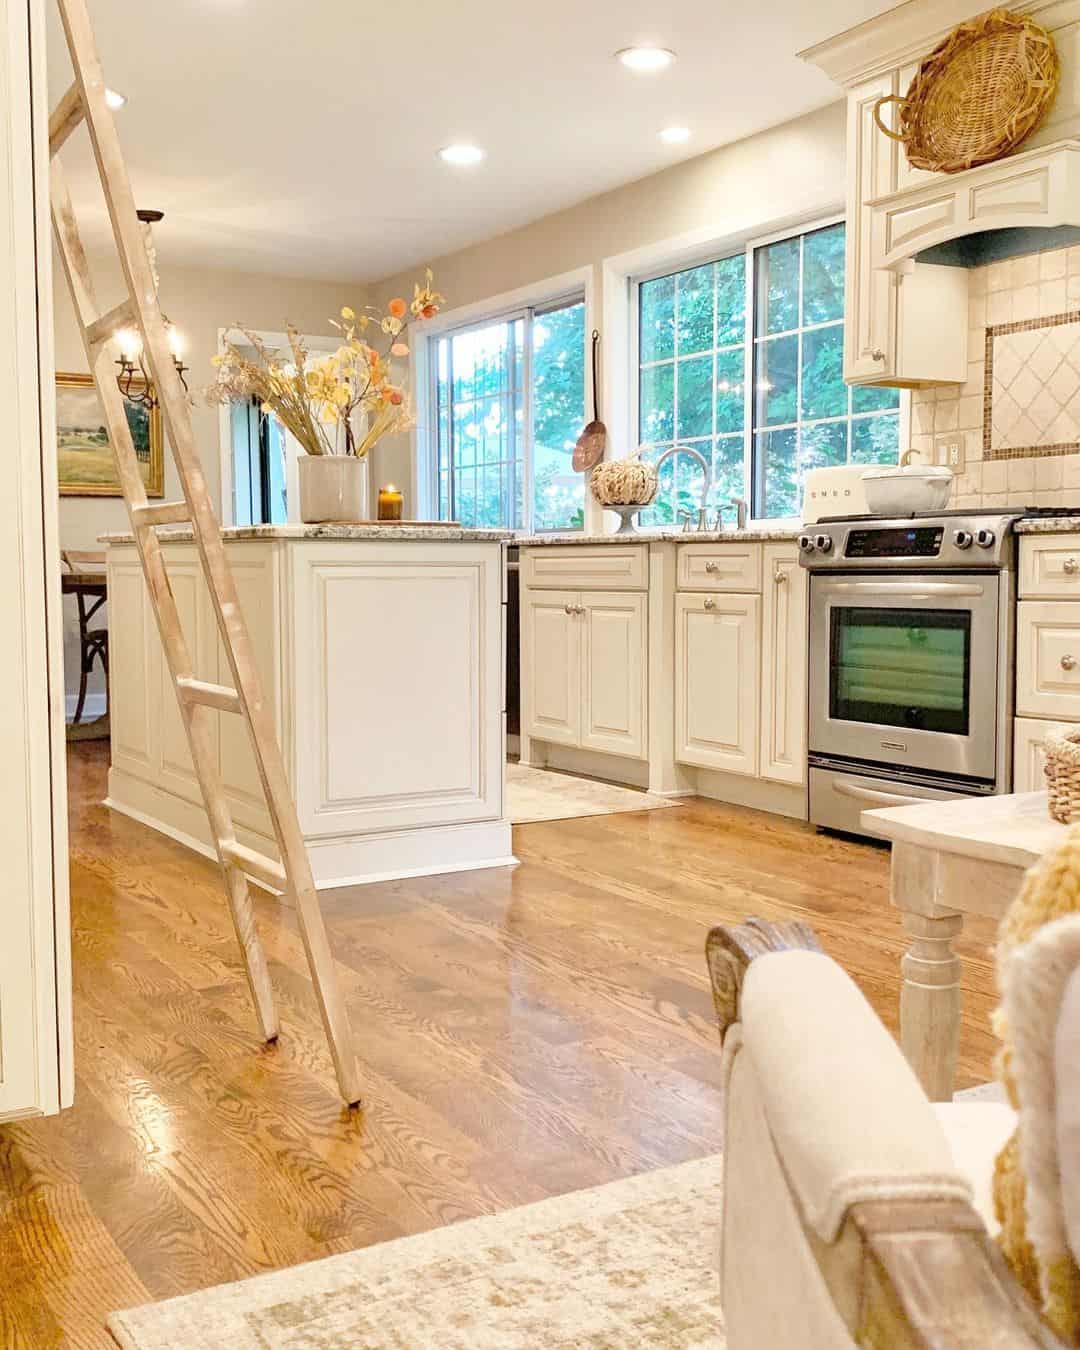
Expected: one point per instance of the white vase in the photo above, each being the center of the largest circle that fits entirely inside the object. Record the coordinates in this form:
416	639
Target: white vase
333	489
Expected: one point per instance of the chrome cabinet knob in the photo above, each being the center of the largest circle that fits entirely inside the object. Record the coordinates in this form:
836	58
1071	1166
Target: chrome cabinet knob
1068	662
712	566
569	609
877	354
779	577
710	603
1069	566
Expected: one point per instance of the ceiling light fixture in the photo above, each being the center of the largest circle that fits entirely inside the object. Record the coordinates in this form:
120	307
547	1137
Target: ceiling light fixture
461	154
644	60
114	99
675	135
135	381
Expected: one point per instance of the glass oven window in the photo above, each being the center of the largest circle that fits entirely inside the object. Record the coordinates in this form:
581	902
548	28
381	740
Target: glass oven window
901	668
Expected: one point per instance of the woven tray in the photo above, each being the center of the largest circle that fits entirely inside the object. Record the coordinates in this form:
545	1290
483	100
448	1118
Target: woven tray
978	95
1063	775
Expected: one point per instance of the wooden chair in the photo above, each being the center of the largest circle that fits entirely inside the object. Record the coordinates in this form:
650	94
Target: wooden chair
855	1213
84	577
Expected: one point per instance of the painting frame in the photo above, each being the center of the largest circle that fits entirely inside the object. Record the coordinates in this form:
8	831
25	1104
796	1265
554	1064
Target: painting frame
98	477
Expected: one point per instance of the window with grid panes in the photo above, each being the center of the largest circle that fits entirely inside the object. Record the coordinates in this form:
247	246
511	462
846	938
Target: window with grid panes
762	418
510	403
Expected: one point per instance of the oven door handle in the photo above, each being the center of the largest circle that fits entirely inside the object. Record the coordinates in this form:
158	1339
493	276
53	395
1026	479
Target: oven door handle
862	794
930	589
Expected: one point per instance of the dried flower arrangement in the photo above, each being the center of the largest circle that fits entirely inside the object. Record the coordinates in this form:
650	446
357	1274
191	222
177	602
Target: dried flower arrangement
316	400
624	482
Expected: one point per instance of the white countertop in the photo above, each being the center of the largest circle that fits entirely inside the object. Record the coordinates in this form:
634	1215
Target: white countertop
1014	829
763	534
380	530
1049	525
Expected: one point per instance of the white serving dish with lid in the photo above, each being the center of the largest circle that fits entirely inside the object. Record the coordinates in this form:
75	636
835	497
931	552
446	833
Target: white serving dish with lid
904	489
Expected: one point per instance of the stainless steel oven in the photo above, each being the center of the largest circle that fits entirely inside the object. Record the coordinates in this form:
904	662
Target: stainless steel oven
911	633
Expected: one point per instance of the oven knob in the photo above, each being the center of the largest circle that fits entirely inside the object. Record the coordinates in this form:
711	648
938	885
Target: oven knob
985	538
823	542
962	539
806	543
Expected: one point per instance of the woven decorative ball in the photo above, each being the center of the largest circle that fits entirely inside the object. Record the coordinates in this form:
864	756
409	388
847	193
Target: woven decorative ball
624	482
978	95
1063	775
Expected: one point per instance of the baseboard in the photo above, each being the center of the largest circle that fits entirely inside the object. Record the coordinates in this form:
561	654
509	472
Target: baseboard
95	706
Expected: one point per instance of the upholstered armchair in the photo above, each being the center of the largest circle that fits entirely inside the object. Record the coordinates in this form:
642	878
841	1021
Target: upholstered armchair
855	1212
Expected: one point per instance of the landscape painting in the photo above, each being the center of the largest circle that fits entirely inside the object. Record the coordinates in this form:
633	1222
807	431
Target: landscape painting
82	442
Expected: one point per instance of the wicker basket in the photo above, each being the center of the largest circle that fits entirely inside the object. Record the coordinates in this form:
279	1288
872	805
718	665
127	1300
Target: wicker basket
1063	775
978	95
624	482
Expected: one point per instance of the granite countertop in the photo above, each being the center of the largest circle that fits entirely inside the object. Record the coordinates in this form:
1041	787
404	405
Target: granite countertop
1049	525
763	534
381	530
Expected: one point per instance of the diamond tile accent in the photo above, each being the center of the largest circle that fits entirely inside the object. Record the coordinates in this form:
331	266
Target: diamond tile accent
1032	392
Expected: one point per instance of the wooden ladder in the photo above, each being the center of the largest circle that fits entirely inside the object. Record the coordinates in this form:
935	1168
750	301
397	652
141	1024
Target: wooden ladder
198	700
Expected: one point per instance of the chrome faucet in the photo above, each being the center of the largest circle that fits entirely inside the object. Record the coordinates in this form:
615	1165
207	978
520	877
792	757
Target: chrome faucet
702	514
742	514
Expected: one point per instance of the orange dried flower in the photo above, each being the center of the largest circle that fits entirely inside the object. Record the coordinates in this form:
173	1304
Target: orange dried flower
397	307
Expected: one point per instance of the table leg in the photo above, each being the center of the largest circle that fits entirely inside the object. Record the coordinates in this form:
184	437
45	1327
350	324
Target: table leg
930	971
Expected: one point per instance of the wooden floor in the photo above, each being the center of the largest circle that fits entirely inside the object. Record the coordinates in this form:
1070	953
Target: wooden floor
522	1033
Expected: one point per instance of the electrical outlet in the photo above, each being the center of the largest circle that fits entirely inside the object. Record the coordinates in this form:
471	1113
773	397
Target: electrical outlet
949	450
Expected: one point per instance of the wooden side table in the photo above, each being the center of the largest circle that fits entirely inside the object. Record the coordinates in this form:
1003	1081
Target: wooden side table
952	858
85	578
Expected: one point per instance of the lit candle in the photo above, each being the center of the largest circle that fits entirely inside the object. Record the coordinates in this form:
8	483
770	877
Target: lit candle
390	503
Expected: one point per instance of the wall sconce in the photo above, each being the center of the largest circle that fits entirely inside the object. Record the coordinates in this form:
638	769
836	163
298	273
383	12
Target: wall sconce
132	363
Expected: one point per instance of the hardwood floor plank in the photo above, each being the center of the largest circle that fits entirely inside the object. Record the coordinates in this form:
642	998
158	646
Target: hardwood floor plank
521	1033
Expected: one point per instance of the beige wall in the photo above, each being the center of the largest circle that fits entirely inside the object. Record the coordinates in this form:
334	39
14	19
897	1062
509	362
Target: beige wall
199	303
786	173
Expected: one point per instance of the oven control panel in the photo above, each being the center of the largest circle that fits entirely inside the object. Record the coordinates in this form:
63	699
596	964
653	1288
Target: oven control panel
955	539
922	541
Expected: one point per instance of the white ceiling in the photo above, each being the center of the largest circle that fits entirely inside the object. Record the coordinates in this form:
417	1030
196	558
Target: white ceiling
299	136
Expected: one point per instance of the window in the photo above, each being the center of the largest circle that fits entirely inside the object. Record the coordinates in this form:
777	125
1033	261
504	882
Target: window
742	359
509	401
258	445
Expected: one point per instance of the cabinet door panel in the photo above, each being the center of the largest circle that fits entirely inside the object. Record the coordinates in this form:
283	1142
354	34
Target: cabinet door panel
783	666
134	658
613	664
1029	751
551	666
870	304
717	681
200	632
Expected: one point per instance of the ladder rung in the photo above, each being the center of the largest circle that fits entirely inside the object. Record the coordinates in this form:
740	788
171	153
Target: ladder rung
213	695
65	117
104	329
271	874
163	513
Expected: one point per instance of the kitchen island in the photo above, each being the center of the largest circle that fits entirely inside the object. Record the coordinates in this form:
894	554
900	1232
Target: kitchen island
380	650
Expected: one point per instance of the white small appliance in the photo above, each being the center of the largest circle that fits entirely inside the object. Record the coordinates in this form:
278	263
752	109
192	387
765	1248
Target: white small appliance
834	491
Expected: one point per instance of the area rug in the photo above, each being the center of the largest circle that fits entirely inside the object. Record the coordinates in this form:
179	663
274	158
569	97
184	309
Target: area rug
539	794
632	1263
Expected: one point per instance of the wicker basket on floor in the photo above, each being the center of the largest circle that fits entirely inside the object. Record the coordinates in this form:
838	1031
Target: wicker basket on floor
978	95
1063	775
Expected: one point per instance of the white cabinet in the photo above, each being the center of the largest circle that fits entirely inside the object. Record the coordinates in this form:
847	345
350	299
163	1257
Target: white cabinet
1048	659
613	657
583	669
1050	567
551	668
717	681
870	300
1029	752
783	665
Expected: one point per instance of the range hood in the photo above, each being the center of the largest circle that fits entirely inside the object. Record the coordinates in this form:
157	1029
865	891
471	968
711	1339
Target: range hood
907	319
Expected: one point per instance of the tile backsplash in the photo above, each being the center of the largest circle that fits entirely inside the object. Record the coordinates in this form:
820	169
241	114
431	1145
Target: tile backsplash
1031	305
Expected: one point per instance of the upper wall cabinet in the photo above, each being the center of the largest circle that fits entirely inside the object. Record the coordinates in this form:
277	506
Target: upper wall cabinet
906	321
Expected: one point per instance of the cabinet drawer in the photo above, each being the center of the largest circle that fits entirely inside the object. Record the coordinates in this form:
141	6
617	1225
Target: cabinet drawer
607	567
1048	660
1050	566
719	567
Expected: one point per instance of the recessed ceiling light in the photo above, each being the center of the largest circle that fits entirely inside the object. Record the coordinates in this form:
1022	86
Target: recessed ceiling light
461	154
114	100
675	135
644	59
